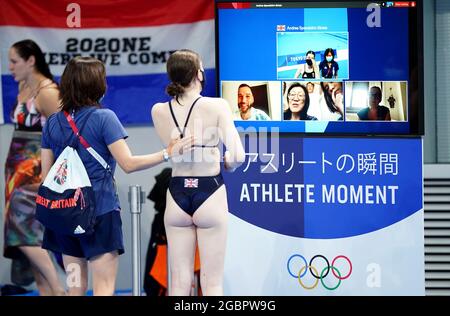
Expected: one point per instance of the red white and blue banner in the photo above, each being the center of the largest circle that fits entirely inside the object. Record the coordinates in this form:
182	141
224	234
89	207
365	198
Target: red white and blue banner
134	38
326	216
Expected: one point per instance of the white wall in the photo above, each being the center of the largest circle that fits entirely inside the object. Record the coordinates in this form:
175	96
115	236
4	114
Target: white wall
142	140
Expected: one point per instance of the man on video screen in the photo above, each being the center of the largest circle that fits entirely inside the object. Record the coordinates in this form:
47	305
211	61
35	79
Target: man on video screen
245	105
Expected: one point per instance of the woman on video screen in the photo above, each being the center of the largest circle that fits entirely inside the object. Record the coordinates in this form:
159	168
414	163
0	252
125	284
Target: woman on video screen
328	66
298	104
309	69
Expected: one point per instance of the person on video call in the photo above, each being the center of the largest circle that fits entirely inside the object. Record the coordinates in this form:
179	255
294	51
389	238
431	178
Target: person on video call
245	105
334	101
315	99
375	111
310	87
309	69
328	66
298	104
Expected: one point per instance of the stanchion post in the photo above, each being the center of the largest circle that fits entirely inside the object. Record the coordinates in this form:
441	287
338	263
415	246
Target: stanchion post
136	199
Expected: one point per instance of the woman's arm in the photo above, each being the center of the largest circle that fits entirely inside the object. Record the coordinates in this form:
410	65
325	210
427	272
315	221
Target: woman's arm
299	72
235	154
339	102
47	101
388	116
47	160
121	152
130	163
316	69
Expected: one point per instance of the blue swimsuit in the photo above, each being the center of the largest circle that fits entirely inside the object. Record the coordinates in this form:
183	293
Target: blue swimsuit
190	192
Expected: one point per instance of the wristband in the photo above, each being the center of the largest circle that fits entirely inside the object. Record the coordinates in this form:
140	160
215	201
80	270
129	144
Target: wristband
165	155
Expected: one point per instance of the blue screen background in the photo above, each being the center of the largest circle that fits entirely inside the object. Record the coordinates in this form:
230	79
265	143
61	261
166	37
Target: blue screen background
247	47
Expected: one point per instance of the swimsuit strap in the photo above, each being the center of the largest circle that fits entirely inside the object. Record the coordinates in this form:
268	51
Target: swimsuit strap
36	93
311	74
206	146
187	118
45	86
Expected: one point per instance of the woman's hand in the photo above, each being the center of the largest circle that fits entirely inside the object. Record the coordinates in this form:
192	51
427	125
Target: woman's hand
180	146
338	98
226	159
339	102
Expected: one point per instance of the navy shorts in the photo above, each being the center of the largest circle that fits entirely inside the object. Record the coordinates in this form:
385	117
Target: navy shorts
107	237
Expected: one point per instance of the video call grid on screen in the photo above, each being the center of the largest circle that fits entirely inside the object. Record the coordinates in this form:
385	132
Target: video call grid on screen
266	45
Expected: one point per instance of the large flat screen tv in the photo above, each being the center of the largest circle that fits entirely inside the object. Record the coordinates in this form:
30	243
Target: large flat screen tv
322	67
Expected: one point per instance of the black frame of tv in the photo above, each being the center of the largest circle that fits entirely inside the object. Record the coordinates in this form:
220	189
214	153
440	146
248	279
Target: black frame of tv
416	106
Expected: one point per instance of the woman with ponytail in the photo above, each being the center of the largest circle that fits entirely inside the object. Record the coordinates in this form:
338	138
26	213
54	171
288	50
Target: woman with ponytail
196	207
38	98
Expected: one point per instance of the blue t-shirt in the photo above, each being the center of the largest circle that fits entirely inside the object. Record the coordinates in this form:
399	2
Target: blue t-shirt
102	129
328	72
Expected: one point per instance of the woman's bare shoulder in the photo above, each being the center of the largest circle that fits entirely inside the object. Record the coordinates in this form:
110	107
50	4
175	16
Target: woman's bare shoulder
159	108
51	91
218	104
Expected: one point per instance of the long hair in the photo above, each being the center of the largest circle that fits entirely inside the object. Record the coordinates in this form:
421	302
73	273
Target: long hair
27	48
329	99
182	67
304	110
328	50
311	52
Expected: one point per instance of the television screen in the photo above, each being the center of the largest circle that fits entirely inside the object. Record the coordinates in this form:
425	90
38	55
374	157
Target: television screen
322	67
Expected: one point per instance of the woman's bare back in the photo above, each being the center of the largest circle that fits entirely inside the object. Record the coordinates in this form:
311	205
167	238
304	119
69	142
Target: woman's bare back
210	122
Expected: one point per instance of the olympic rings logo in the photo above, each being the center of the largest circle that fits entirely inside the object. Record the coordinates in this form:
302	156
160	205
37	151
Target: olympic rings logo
319	275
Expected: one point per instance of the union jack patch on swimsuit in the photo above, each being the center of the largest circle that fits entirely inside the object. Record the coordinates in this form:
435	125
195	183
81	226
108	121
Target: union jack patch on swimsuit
191	183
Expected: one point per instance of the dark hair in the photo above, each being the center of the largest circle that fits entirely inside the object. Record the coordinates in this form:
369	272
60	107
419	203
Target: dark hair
27	48
379	90
182	67
328	99
310	52
327	51
304	110
242	85
83	83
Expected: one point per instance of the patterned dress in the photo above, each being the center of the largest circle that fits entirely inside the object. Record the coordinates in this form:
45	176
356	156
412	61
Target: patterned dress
23	175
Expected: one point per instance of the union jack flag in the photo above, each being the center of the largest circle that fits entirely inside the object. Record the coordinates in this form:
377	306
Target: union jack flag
281	28
61	173
191	183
